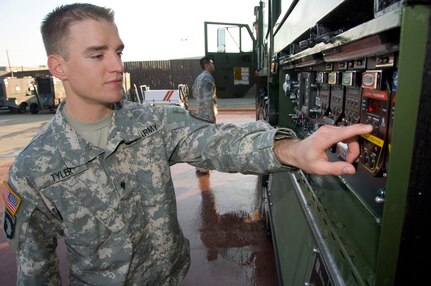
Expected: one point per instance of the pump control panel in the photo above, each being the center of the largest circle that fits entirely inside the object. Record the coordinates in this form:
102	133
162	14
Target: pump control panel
374	111
365	228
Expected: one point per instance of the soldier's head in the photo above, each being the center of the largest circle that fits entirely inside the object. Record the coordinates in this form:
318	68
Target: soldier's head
84	51
207	64
55	27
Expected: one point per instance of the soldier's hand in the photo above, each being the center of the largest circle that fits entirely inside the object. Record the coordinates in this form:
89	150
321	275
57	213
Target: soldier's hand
310	155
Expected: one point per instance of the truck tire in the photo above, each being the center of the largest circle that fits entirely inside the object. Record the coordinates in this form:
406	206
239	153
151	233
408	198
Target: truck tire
22	108
34	108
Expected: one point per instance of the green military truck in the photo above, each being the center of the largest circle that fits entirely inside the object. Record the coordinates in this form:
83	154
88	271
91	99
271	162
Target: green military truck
31	93
15	93
342	62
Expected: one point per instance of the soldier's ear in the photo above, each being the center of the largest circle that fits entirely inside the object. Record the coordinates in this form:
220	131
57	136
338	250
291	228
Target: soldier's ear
57	66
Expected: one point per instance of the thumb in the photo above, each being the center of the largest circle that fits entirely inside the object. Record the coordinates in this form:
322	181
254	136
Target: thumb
336	168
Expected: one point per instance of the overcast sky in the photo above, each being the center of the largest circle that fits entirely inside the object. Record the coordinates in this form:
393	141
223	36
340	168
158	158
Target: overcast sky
151	30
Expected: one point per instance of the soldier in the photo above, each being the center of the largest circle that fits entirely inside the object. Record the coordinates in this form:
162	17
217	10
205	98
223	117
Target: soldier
204	90
98	173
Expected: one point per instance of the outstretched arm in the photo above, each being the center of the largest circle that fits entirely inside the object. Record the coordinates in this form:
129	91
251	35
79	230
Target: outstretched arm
310	155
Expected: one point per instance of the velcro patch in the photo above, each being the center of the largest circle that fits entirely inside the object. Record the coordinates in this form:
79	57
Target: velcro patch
9	225
11	200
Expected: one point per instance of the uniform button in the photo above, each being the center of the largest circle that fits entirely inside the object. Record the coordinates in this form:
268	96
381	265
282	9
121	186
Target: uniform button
123	185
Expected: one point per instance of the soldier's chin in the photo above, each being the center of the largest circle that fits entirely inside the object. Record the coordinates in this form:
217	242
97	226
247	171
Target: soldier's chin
117	93
113	97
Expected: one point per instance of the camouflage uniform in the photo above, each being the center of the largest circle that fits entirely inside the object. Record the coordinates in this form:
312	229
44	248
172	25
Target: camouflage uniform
116	208
204	90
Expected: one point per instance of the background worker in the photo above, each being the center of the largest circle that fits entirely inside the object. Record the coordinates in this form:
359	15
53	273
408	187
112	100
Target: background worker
204	90
98	173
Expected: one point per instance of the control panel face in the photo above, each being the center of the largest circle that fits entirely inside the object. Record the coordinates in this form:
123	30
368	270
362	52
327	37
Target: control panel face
337	103
352	109
337	99
311	105
345	94
324	93
301	91
374	111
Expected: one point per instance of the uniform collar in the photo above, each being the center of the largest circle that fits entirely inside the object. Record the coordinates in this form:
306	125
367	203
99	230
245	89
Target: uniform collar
76	151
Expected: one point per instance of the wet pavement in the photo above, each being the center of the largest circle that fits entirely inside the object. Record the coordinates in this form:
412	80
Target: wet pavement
218	213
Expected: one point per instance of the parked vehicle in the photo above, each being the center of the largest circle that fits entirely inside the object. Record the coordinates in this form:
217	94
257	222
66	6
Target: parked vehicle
16	93
42	93
342	62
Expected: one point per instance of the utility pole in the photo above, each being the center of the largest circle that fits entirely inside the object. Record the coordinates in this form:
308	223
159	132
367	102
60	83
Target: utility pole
8	61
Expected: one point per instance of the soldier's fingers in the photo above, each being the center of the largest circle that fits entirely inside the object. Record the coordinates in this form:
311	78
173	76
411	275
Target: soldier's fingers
353	150
332	134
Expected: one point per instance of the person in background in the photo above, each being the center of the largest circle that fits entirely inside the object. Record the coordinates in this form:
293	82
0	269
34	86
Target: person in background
98	173
204	90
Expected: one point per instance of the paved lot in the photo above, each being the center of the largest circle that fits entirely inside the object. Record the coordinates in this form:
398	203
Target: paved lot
16	130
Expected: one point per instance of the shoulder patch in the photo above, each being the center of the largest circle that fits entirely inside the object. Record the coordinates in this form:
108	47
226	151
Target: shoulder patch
9	224
11	200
